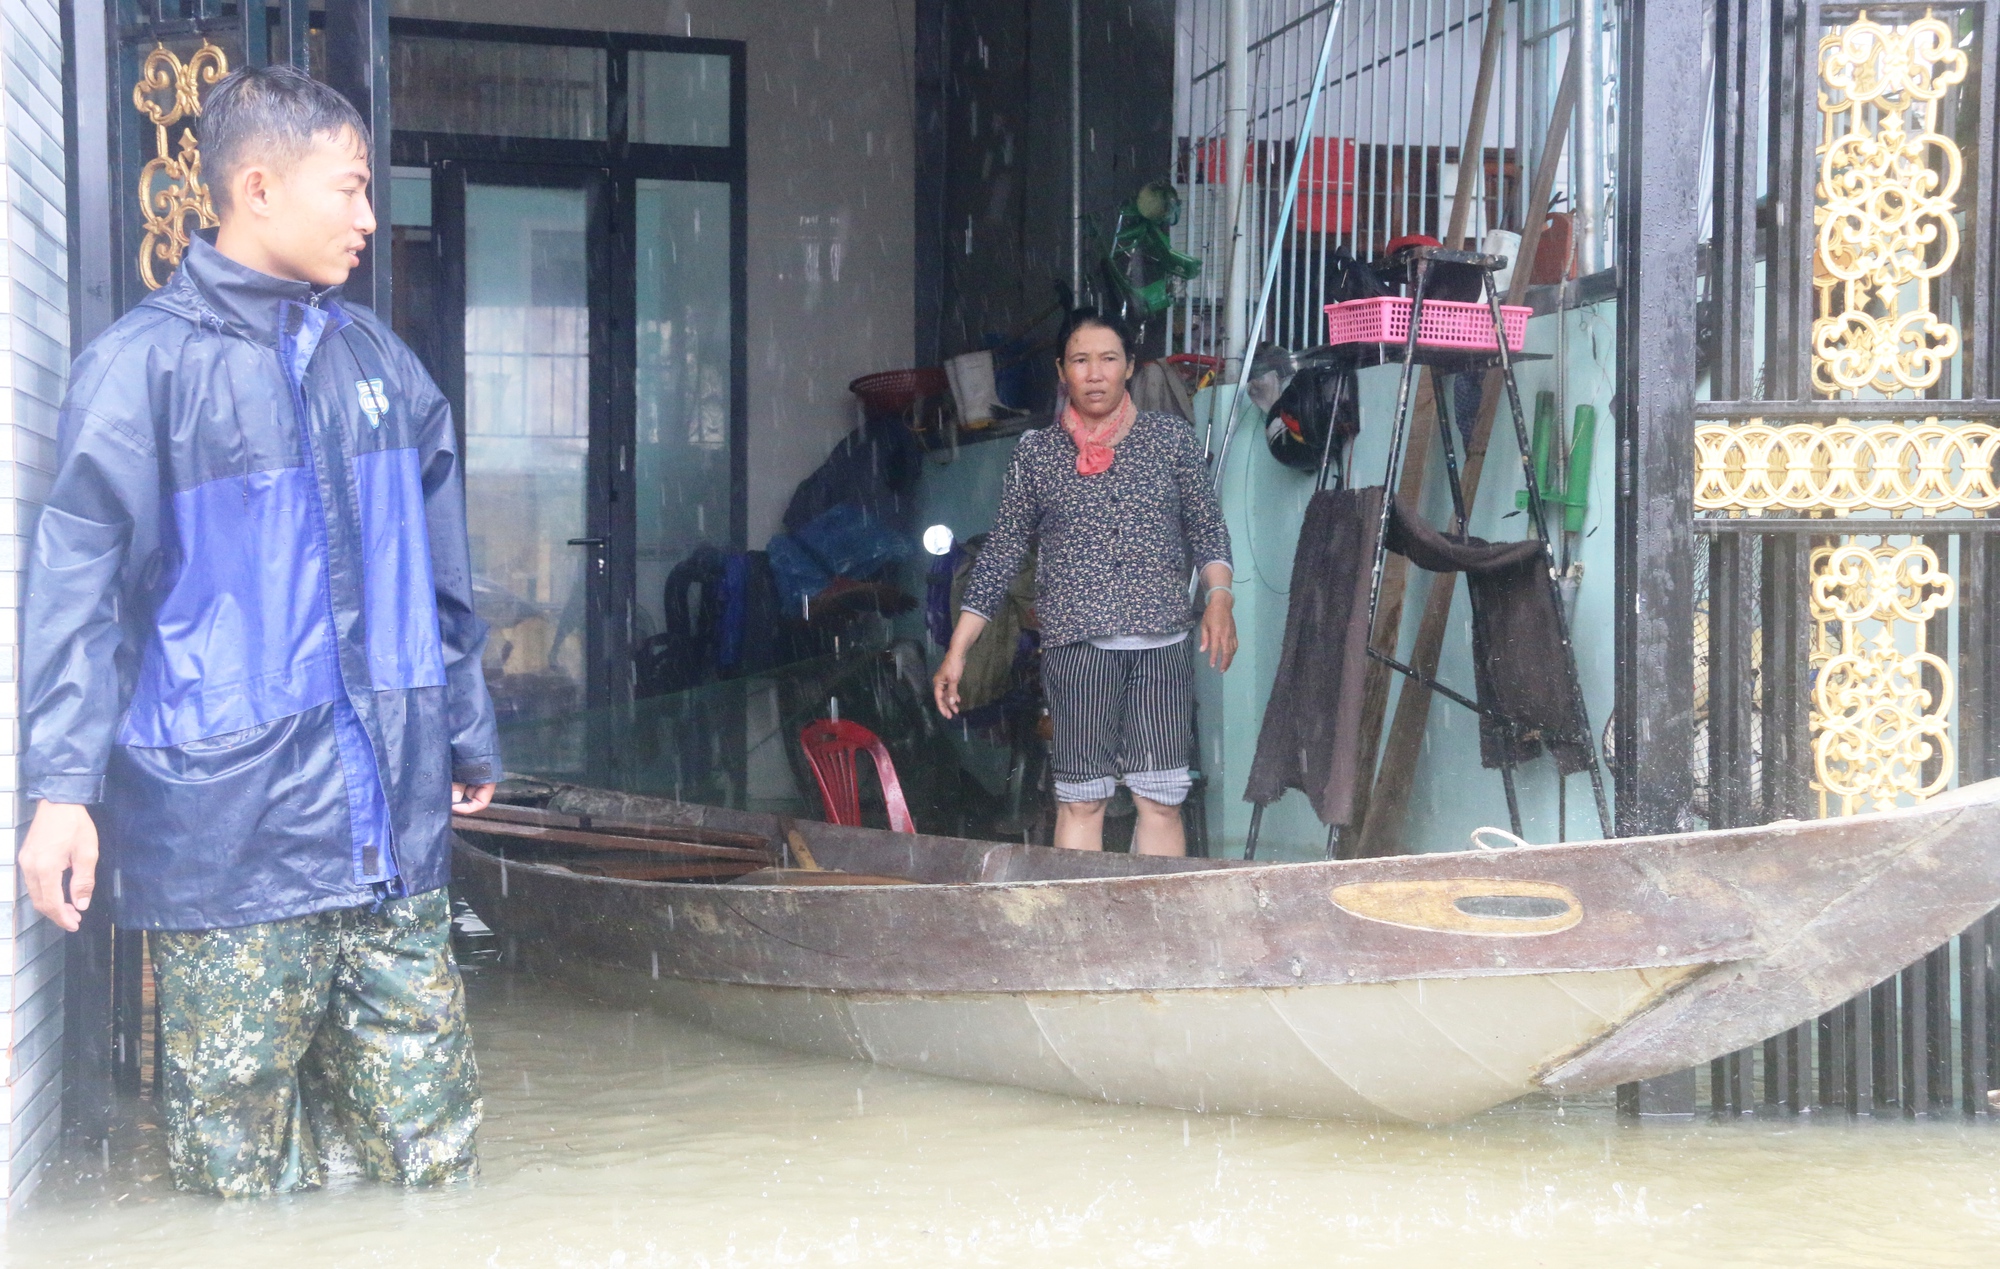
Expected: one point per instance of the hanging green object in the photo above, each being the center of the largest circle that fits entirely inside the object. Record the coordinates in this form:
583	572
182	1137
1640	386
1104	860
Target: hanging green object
1545	423
1143	264
1574	498
1582	445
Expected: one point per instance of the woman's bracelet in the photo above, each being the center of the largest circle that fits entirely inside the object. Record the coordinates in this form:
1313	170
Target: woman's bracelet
1225	590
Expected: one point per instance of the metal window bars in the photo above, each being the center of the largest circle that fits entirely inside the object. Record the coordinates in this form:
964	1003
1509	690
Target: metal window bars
1381	158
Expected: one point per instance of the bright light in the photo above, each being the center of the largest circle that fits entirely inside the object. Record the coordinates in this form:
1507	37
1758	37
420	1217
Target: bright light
937	540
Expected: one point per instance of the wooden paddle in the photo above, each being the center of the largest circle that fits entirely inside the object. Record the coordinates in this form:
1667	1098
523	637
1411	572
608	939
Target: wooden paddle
796	841
809	872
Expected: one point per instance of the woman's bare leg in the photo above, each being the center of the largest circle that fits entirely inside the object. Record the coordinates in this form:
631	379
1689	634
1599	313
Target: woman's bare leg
1159	831
1080	825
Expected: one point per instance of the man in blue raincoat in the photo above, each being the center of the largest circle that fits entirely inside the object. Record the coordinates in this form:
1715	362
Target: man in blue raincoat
251	661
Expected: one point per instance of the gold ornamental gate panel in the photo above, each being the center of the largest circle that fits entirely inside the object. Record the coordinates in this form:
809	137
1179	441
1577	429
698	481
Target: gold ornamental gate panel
1844	485
1887	461
171	190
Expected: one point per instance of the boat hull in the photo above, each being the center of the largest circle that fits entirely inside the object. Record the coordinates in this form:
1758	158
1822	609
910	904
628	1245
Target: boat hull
1423	1050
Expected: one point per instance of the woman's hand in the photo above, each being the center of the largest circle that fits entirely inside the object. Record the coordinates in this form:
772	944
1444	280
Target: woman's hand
1218	629
944	684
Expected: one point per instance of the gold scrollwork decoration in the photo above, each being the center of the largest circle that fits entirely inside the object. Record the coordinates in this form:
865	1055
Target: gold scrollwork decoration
1882	700
1887	222
171	191
1890	467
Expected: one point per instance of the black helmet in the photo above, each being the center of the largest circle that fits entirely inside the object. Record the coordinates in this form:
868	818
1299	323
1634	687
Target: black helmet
1317	399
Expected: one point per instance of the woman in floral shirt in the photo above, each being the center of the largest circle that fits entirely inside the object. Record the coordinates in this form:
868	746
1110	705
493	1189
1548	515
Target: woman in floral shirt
1120	506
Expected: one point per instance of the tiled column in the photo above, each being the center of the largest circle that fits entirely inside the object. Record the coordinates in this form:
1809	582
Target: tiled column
34	360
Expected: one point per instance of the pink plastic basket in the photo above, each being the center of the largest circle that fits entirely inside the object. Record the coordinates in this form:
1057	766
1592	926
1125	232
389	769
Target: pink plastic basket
1445	324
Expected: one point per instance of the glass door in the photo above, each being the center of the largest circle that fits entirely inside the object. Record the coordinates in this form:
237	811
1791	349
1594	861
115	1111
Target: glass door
587	331
594	466
570	266
682	384
526	423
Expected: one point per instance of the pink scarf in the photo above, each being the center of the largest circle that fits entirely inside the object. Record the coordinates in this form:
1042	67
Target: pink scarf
1093	443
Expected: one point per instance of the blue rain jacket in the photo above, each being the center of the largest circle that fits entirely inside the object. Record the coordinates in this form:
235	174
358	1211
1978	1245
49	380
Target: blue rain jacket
248	635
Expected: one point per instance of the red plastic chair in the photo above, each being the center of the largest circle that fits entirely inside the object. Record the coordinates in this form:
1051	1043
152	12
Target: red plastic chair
830	745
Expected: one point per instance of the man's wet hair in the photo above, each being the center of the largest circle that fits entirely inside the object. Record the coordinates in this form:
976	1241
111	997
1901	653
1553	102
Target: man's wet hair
273	114
1083	318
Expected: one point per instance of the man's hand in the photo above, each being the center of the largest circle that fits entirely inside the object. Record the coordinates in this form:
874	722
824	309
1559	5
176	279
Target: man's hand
470	799
61	838
1218	629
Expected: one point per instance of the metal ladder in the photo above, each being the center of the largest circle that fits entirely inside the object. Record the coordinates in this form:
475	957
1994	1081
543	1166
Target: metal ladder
1446	361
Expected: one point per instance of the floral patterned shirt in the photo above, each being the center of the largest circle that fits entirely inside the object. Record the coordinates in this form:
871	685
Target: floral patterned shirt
1115	549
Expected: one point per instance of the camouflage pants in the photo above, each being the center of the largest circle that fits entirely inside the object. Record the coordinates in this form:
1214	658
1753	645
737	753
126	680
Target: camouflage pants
338	1031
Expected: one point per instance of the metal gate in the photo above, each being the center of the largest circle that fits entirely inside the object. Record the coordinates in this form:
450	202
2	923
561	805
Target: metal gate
1817	556
137	73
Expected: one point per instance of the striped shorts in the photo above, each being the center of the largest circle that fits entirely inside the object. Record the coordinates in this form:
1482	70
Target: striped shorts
1120	715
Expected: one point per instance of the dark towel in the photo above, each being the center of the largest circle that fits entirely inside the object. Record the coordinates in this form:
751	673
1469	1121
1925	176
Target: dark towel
1517	656
1310	738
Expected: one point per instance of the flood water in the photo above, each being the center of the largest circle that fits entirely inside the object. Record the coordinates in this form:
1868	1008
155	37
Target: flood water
622	1138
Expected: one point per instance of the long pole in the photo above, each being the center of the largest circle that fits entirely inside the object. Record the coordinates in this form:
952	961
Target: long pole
1589	140
1235	167
1076	150
1284	224
1472	155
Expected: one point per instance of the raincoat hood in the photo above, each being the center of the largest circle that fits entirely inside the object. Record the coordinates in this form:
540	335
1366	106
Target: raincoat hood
211	287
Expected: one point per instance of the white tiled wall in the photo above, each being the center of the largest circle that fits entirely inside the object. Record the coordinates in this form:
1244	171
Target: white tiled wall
34	358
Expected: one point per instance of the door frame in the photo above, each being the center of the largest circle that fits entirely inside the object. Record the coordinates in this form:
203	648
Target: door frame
611	169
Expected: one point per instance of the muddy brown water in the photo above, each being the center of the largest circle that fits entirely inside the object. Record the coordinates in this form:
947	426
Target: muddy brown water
620	1138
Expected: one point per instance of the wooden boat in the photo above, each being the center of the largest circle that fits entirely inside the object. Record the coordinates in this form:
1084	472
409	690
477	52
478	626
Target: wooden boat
1418	988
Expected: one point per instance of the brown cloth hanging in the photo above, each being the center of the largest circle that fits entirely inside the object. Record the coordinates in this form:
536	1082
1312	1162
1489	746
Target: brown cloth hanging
1310	738
1518	662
